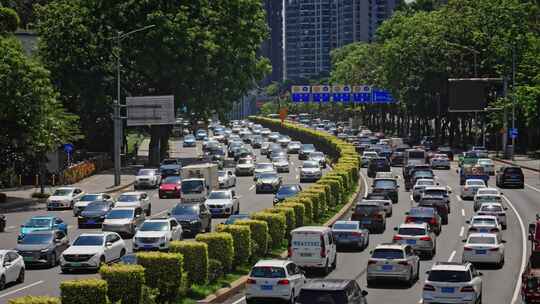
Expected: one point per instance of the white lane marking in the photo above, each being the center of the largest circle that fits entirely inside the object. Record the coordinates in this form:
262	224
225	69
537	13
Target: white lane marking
296	169
20	289
155	195
159	213
239	300
461	231
517	289
365	183
421	301
297	176
252	187
10	227
452	256
411	197
70	226
459	198
462	212
535	189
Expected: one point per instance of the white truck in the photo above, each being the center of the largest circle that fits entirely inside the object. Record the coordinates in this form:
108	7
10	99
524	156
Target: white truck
198	181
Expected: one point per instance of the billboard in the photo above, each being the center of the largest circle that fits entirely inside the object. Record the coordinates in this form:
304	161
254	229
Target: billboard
467	95
150	110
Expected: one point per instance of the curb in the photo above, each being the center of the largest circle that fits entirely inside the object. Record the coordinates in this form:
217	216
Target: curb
236	286
514	164
119	188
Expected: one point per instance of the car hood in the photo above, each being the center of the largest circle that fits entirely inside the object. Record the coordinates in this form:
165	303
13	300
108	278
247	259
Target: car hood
168	186
58	198
144	176
244	166
37	247
83	250
186	217
151	234
93	213
117	221
218	201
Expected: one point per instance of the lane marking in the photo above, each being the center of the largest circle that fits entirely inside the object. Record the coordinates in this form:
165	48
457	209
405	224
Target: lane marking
20	289
452	256
297	176
461	231
517	289
10	227
239	300
159	213
251	188
462	212
535	189
459	198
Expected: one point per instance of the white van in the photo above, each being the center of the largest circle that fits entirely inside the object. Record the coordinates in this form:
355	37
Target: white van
313	247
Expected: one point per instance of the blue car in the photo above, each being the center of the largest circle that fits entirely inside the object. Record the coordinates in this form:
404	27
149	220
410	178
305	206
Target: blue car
42	223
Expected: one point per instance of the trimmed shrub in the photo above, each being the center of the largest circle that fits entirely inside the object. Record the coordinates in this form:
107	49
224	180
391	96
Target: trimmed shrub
325	189
340	189
125	282
215	270
87	291
163	271
334	189
299	211
259	236
195	259
308	204
35	300
290	217
276	226
220	247
241	241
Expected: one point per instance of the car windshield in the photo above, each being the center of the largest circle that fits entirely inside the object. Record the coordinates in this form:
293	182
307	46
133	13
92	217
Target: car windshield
475	183
412	231
171	180
146	172
449	276
488	198
128	198
96	206
513	171
316	155
220	195
287	190
39	222
169	162
345	226
264	167
425	183
435	192
90	197
154	226
309	165
37	238
491	208
481	240
268	272
308	147
184	209
192	186
222	173
89	240
62	192
268	176
485	161
483	221
189	137
387	254
244	161
322	296
488	191
422	212
384	184
120	214
367	208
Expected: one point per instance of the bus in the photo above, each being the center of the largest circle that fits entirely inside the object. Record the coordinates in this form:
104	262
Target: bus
414	156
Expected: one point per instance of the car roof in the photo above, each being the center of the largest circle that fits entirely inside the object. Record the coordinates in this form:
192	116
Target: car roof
451	266
272	263
491	204
435	188
391	246
368	203
492	235
43	217
159	219
42	232
346	222
326	284
484	216
311	229
132	193
474	180
413	225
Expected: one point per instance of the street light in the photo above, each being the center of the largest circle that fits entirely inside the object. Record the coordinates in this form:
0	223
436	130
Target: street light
117	119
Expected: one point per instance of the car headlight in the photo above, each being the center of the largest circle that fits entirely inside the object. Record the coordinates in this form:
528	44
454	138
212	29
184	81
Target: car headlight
45	250
194	222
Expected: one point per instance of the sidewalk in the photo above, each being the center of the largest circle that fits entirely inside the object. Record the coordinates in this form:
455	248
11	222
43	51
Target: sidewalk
522	161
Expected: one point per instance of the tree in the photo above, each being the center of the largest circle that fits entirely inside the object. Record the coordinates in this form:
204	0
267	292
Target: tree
9	20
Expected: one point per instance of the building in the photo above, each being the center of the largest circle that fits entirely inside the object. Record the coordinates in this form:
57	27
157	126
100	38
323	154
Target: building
272	48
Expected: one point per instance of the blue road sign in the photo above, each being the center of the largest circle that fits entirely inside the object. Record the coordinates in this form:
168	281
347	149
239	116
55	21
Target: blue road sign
381	96
301	94
513	133
68	148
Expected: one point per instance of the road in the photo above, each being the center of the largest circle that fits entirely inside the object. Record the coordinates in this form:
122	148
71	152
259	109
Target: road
500	285
47	281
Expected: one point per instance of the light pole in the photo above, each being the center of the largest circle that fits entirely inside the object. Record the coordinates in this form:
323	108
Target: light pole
513	100
117	119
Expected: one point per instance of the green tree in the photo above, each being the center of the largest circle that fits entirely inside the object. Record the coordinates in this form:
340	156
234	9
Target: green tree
9	20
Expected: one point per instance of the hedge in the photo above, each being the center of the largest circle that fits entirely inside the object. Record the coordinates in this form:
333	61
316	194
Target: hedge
259	236
35	300
220	247
299	211
328	196
163	271
195	259
308	205
334	189
87	291
276	226
290	217
215	270
241	241
124	282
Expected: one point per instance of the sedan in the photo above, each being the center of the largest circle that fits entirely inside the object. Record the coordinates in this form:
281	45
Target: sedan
440	161
40	223
189	141
419	187
268	182
484	224
263	168
64	197
419	236
293	147
350	233
43	247
487	164
194	218
11	268
89	198
286	191
318	157
304	151
157	234
147	178
245	166
284	141
226	179
171	186
123	220
310	171
480	199
223	203
468	191
94	214
495	209
281	164
483	248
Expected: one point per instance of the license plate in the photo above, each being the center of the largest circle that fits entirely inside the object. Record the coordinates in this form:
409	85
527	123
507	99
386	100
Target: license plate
148	246
28	258
215	210
91	222
447	289
266	287
411	242
75	264
387	267
483	230
481	251
366	221
303	254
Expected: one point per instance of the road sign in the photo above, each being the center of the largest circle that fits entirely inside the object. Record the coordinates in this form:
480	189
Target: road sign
513	133
68	148
150	110
362	94
381	96
301	93
320	93
341	93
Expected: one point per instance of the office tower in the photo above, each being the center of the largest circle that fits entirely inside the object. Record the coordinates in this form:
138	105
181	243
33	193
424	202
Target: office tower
272	48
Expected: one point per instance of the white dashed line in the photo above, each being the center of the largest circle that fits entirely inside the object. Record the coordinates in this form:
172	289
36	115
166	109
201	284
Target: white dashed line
535	189
452	256
251	188
10	227
297	176
20	289
459	198
239	300
461	231
462	212
70	226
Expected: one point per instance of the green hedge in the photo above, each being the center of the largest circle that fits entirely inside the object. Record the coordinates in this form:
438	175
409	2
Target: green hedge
241	241
215	270
35	300
87	291
124	282
163	271
334	189
290	217
276	226
259	236
328	196
299	211
308	205
220	247
195	259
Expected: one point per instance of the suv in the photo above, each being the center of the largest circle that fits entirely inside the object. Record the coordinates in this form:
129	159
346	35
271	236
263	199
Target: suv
303	153
453	282
393	261
378	164
194	218
437	198
332	291
135	199
370	215
425	215
419	236
510	176
274	279
389	186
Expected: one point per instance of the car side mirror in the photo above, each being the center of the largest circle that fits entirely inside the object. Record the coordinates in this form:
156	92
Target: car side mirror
531	237
464	241
407	213
467	221
427	272
457	171
395	228
480	274
364	293
108	244
532	228
505	208
503	241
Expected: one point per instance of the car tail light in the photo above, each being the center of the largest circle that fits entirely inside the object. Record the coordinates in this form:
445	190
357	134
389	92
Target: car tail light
371	262
283	282
408	219
494	230
251	281
289	252
428	287
493	249
433	221
403	263
473	229
425	238
356	234
466	188
397	238
323	248
467	249
467	289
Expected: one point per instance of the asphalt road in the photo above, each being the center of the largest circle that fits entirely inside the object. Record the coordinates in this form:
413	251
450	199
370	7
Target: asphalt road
500	285
47	281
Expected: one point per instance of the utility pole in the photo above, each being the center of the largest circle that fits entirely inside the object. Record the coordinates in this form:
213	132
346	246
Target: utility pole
505	118
513	99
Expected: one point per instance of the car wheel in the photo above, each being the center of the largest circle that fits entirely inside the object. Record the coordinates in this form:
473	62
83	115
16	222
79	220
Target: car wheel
417	276
479	301
410	282
326	269
291	300
370	282
2	282
122	253
209	227
149	211
334	264
71	204
20	278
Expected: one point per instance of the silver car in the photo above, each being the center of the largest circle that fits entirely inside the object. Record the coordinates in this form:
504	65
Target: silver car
147	178
418	236
123	220
494	209
484	224
281	164
393	261
350	233
480	199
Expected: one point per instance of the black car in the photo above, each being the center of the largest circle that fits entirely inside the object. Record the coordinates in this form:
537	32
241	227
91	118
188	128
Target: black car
286	191
170	170
94	213
42	247
397	158
510	176
378	164
331	291
303	154
386	185
194	218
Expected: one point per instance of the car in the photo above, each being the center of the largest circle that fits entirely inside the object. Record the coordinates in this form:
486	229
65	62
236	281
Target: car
257	141
318	157
170	169
265	146
64	197
483	248
480	199
488	190
487	164
510	176
393	261
437	197
90	251
157	234
89	198
223	203
42	247
284	141
189	141
123	220
313	247
12	268
440	161
135	199
419	187
147	178
268	182
274	280
389	186
331	291
226	179
285	191
236	217
42	222
396	158
265	132
303	153
451	282
274	136
427	215
386	204
370	215
446	151
378	164
171	186
194	218
366	158
293	147
94	214
201	134
262	168
350	234
419	236
233	147
281	164
468	190
484	224
245	166
278	154
495	209
310	171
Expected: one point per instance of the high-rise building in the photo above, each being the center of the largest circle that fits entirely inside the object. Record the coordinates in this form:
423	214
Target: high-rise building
272	48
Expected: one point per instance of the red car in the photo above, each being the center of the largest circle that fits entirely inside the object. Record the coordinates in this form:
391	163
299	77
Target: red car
171	186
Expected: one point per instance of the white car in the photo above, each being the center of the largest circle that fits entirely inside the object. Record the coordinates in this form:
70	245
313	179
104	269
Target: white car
89	198
418	236
147	178
293	147
440	161
468	191
480	199
487	164
263	168
393	261
419	187
91	250
284	141
12	268
245	166
483	248
495	209
135	199
281	164
124	220
223	203
313	247
484	224
226	179
64	197
310	171
449	282
367	156
489	190
157	234
318	157
274	280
